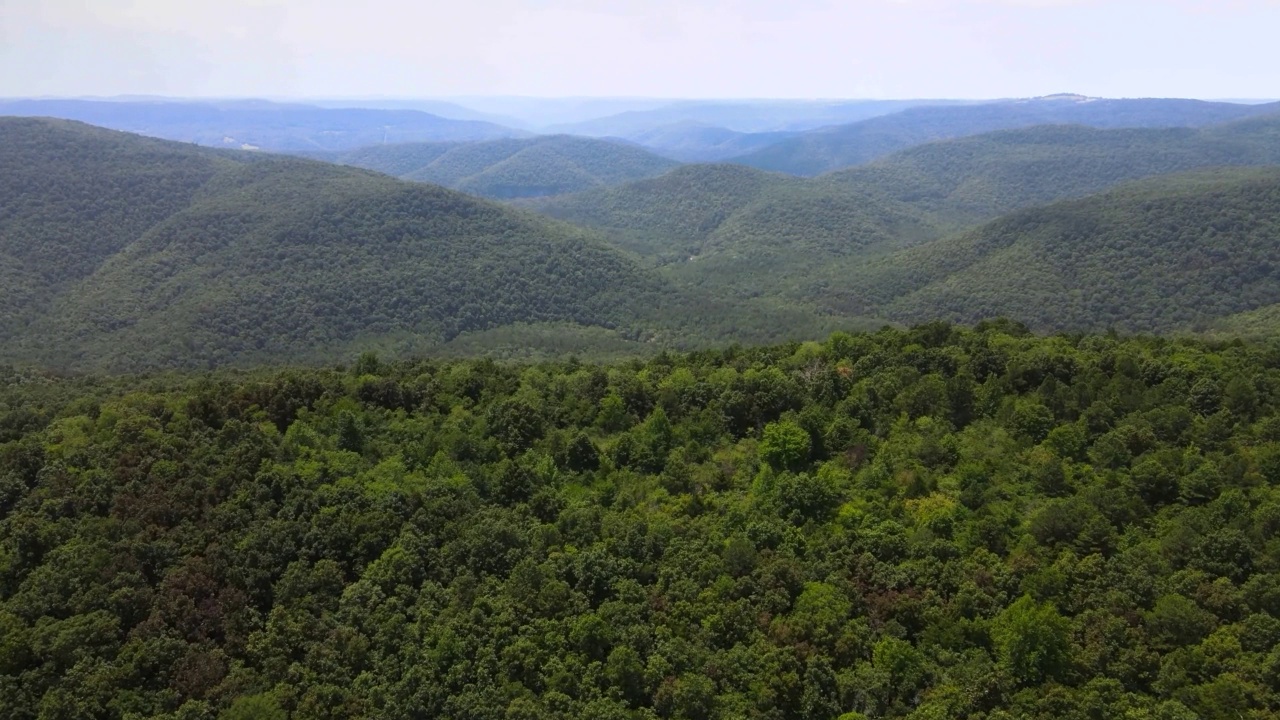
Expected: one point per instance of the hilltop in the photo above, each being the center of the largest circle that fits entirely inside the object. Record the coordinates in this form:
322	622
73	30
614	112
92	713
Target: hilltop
745	116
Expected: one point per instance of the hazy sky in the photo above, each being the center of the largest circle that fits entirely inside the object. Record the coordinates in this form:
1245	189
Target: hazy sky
656	48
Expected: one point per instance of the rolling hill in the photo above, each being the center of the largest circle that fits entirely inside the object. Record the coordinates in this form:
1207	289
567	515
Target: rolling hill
746	116
702	131
672	215
742	230
513	168
692	141
827	149
123	251
1169	253
752	233
974	179
256	124
946	185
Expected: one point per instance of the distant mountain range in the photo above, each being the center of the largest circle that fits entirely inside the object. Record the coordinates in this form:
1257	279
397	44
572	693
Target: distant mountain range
512	168
973	179
796	137
828	149
743	116
261	125
119	251
692	141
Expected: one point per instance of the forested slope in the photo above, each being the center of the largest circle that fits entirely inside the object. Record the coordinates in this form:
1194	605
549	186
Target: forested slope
73	196
1263	322
127	252
672	214
1158	255
978	178
934	523
829	149
949	184
505	169
810	240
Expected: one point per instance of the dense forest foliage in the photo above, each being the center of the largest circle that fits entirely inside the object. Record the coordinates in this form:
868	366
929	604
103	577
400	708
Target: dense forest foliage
513	168
932	523
827	149
1263	322
72	196
1171	253
262	125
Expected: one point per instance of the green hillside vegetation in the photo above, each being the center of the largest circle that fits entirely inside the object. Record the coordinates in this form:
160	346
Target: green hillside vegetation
741	232
1263	322
975	179
670	216
827	149
129	252
73	196
1158	255
507	169
138	253
808	240
935	523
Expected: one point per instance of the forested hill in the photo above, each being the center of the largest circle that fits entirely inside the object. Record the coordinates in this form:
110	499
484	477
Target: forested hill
829	149
754	232
1177	252
978	178
263	125
949	183
934	523
125	252
505	169
697	142
74	195
673	214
